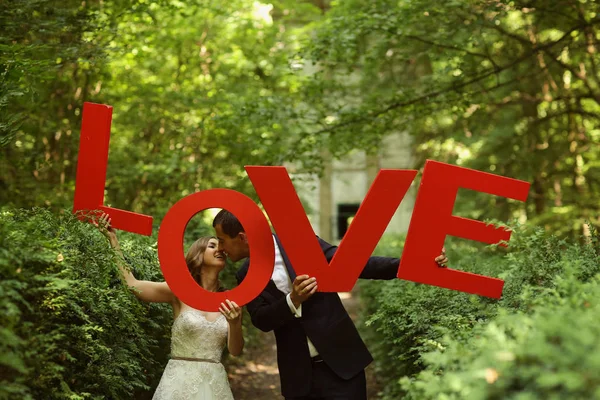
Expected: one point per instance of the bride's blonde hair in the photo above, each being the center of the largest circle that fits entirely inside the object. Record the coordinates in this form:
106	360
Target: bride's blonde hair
194	258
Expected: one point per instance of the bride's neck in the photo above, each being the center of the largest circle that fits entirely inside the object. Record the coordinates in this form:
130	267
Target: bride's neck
210	281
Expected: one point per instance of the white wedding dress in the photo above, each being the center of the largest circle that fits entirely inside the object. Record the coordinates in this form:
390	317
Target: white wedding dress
204	377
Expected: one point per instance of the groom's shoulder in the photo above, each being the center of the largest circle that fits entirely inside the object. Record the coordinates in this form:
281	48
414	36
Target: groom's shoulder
327	248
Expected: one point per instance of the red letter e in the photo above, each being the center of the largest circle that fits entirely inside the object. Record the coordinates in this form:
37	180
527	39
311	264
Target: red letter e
432	220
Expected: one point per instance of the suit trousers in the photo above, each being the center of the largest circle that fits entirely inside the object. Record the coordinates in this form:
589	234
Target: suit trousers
326	385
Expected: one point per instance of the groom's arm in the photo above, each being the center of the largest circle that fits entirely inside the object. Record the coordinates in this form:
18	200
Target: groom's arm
376	267
266	315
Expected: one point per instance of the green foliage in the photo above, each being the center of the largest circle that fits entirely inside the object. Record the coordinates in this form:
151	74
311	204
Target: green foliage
445	344
199	89
70	327
496	86
202	88
47	67
550	353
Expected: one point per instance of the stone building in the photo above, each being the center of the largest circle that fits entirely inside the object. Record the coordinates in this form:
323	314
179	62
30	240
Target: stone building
332	200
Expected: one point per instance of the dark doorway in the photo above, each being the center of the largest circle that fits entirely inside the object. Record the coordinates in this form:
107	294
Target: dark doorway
345	213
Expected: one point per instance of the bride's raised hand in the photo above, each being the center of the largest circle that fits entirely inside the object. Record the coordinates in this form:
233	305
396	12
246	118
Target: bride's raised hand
232	312
103	224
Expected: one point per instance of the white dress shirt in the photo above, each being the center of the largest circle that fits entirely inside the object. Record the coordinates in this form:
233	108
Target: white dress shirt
283	282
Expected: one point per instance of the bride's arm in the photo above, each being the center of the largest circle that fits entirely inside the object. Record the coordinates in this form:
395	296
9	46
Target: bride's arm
235	338
154	292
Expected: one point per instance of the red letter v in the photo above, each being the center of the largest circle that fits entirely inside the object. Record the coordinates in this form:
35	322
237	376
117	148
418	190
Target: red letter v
277	194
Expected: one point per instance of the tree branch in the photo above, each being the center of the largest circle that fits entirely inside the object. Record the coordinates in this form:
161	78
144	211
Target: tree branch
445	46
454	87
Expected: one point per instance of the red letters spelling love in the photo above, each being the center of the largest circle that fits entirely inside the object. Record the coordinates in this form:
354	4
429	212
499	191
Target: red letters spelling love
431	221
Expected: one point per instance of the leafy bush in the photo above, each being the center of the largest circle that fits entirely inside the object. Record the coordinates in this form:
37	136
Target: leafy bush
69	326
551	353
411	328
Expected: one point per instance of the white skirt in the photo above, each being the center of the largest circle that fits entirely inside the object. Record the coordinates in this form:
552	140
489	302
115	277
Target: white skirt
193	380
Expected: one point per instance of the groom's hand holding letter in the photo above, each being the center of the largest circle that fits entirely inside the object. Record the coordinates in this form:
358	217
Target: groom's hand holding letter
303	288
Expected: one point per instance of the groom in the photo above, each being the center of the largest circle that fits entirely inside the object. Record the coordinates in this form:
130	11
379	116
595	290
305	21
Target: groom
319	351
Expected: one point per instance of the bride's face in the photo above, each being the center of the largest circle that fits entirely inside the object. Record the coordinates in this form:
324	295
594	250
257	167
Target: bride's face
212	255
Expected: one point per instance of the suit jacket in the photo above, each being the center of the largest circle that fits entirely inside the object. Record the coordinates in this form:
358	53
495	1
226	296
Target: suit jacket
324	320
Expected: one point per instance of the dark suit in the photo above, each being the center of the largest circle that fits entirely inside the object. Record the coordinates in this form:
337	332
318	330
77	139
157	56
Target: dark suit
324	320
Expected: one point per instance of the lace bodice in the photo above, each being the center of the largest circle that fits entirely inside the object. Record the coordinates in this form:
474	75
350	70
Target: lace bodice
192	335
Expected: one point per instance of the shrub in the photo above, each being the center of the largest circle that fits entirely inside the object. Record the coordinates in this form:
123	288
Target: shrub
69	326
405	321
551	353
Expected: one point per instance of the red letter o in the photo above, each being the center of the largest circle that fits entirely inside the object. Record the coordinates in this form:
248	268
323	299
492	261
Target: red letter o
172	259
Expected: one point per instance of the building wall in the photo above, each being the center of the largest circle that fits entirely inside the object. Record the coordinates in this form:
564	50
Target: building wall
347	181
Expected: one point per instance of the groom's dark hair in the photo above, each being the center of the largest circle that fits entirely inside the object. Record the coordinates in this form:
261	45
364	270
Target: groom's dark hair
229	223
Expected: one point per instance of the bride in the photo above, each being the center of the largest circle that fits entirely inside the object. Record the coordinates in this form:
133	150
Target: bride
197	337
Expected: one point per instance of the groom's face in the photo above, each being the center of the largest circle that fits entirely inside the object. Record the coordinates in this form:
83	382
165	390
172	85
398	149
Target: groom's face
236	247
